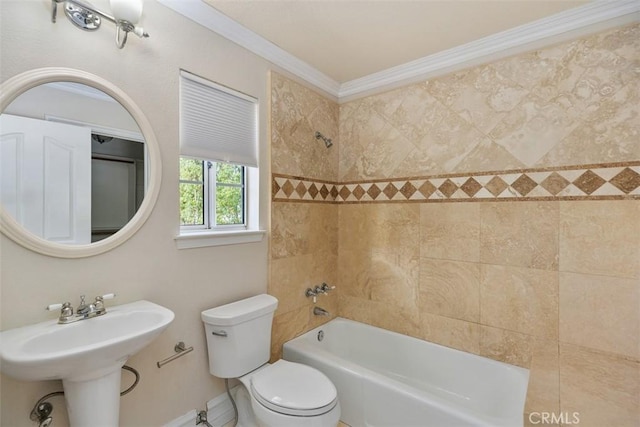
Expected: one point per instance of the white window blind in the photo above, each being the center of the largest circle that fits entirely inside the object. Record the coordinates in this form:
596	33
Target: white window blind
217	123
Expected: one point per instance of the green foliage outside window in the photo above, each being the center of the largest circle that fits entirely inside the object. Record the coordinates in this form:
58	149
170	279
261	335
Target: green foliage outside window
191	192
229	192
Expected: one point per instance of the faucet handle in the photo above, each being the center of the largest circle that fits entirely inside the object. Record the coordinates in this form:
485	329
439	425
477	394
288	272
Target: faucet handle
52	307
59	306
66	311
99	305
105	296
312	293
326	288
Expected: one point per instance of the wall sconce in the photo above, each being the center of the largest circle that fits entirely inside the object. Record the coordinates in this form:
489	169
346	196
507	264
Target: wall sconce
126	14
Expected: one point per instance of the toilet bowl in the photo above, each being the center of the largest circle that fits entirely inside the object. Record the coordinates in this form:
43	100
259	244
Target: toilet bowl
287	394
282	394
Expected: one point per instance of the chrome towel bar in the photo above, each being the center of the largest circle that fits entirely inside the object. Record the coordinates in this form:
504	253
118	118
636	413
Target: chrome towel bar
180	350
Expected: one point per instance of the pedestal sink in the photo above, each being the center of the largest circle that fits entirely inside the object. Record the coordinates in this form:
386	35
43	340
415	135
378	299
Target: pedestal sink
86	355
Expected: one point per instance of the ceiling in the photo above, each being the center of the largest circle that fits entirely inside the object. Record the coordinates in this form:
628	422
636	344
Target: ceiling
354	48
347	39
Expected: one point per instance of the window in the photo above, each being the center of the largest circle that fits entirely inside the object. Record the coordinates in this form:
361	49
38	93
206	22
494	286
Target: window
212	195
218	164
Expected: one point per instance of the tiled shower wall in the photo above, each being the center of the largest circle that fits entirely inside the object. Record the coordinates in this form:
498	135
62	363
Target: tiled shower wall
304	236
541	270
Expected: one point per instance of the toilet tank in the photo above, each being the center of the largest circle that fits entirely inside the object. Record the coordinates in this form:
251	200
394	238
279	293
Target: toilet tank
239	335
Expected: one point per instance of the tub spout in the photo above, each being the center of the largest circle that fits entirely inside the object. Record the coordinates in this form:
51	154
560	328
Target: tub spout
318	311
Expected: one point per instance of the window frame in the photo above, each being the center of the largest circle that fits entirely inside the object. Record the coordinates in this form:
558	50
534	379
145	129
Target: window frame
210	187
196	236
205	184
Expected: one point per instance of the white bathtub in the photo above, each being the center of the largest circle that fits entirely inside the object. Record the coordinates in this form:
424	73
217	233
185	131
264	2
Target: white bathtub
389	379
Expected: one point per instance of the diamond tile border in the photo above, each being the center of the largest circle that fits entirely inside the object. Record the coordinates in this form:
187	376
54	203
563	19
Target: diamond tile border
586	182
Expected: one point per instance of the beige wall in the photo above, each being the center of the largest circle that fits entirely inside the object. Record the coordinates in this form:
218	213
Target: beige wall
148	266
545	282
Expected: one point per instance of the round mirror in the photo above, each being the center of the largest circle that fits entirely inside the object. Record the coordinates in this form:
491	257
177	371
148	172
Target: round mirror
80	167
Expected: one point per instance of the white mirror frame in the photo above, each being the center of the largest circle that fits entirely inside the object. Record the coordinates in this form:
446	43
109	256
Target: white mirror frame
10	90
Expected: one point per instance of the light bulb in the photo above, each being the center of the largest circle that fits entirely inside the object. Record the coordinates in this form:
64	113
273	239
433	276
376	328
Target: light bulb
127	10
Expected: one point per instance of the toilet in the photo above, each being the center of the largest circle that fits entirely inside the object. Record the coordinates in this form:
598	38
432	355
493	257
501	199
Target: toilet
282	394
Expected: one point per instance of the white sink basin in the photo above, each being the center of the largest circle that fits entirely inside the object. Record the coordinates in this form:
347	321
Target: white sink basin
87	355
48	350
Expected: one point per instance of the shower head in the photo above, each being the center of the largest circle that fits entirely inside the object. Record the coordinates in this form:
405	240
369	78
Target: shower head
327	141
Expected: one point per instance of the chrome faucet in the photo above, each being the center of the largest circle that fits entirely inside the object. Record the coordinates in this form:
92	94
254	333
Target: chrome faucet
84	311
320	289
319	311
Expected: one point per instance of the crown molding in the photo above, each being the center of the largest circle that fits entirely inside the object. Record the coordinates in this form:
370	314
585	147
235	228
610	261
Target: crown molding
209	17
592	17
557	28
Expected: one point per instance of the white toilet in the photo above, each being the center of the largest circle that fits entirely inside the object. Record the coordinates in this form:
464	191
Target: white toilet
284	394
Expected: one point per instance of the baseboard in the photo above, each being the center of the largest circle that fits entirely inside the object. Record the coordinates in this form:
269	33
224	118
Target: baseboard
219	413
220	409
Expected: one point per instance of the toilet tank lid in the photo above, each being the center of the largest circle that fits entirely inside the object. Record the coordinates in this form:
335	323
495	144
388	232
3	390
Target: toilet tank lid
240	311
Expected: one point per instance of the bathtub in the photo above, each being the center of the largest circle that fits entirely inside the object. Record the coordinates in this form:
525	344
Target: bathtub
388	379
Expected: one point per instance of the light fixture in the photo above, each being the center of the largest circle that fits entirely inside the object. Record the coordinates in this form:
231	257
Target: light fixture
126	14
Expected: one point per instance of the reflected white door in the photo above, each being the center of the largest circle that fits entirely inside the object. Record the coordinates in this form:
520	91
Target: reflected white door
45	177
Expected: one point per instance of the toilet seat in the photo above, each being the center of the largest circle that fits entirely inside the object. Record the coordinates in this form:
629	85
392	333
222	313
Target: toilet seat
293	389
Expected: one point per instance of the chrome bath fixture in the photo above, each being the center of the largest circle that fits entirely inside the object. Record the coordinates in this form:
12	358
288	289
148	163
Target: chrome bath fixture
327	141
126	14
318	290
319	311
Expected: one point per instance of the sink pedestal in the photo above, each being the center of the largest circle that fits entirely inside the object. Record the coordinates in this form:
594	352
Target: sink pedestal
86	355
94	401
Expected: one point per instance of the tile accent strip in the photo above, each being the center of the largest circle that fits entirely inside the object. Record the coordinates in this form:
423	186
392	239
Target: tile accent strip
587	182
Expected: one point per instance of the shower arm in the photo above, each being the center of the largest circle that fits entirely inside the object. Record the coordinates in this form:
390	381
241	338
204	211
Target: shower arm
327	141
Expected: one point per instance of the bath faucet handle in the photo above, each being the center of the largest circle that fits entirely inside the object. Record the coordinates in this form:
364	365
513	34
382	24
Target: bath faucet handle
312	293
326	288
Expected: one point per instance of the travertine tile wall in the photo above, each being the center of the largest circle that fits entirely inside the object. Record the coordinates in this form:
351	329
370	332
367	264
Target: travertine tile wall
571	104
303	236
553	284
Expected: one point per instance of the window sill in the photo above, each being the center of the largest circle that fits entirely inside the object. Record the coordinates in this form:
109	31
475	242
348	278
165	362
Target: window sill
201	239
